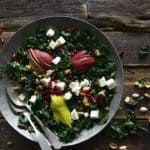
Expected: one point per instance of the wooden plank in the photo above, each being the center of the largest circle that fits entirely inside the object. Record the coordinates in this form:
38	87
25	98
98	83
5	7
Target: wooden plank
130	43
20	12
120	15
99	142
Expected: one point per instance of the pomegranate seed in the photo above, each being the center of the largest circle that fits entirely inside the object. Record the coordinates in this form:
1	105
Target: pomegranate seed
2	42
14	57
1	31
121	53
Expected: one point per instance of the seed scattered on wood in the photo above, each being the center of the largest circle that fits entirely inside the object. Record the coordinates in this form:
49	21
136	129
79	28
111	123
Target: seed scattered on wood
124	147
113	145
143	109
135	95
9	143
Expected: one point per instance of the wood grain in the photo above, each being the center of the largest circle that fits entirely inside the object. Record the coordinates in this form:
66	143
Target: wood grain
130	43
120	14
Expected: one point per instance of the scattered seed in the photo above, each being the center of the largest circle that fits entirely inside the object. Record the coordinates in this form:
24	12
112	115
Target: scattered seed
124	147
147	95
113	145
143	109
28	67
107	108
30	129
135	95
9	143
97	52
67	71
23	78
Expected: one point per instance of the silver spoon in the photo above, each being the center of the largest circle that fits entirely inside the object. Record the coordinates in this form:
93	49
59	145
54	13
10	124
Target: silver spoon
11	91
38	136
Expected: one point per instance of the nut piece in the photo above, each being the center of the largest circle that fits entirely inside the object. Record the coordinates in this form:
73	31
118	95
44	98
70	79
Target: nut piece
143	109
113	145
124	147
135	95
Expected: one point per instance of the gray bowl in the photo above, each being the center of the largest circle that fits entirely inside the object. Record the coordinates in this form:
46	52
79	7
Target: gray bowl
61	22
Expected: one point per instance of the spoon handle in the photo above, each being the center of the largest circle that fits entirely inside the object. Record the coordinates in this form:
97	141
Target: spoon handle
43	142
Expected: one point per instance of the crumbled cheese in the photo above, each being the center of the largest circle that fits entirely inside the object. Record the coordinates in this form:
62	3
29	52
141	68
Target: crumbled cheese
50	32
53	44
102	82
86	114
84	83
21	97
94	114
49	72
61	85
75	87
74	114
45	81
60	41
56	60
33	99
68	95
127	99
111	84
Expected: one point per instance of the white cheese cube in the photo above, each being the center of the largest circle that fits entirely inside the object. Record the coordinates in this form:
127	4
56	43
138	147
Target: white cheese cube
84	83
61	85
74	114
52	44
45	81
60	41
33	99
21	97
68	95
86	114
50	32
75	87
111	84
94	114
56	60
102	82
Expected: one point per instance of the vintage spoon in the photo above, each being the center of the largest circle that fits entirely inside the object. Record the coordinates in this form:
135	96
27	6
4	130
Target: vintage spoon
42	141
11	91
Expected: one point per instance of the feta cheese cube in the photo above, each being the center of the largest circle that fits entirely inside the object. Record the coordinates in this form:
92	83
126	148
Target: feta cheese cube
33	99
50	32
60	41
74	114
86	114
102	82
94	114
68	95
45	81
21	97
84	83
52	44
56	60
111	84
75	87
61	85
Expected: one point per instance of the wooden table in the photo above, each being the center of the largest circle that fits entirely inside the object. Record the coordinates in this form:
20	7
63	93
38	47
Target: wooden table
127	25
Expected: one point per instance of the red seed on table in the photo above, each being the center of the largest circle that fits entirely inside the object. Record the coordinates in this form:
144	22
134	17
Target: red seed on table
2	42
121	53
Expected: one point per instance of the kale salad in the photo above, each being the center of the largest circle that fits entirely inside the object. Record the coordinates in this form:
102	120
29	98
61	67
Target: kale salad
67	77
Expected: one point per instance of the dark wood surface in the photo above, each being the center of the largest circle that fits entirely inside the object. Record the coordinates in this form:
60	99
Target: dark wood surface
127	25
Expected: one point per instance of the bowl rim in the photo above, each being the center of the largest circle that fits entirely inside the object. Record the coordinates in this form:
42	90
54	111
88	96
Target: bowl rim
95	28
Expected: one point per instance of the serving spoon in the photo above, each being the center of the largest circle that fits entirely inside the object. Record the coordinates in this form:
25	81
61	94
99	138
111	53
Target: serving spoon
37	135
13	95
